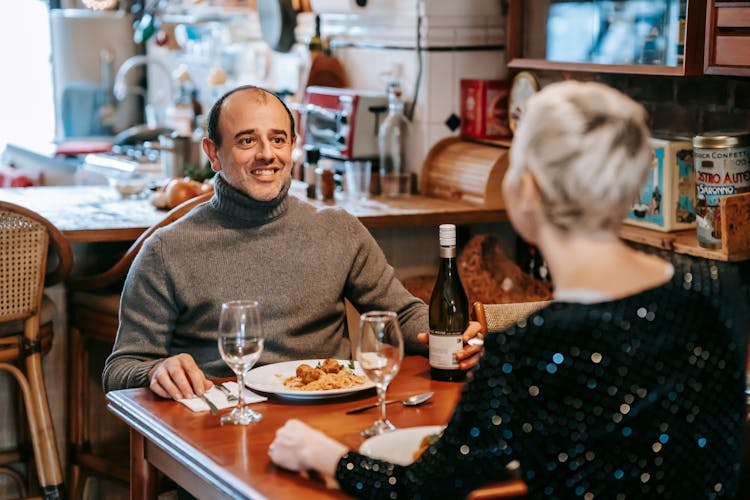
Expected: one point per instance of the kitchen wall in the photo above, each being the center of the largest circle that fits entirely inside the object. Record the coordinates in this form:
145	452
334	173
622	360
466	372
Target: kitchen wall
679	106
431	44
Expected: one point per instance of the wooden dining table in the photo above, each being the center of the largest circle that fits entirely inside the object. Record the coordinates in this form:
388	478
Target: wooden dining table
214	461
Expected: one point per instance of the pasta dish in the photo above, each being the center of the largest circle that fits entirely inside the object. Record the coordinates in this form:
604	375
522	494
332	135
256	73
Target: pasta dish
326	376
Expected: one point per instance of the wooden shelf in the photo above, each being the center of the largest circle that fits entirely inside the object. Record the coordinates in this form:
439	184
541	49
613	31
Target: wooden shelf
735	234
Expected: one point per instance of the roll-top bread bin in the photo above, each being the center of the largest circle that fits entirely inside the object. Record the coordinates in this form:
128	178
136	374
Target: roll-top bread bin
459	169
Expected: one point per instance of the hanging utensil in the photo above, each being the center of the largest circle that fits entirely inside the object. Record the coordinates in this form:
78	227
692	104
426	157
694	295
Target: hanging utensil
277	22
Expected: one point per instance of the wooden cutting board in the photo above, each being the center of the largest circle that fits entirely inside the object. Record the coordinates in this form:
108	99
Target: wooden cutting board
326	71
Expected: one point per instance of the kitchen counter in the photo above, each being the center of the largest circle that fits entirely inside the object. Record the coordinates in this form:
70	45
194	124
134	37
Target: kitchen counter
87	214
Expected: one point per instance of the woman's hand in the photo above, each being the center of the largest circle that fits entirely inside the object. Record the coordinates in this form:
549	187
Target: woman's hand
468	357
299	447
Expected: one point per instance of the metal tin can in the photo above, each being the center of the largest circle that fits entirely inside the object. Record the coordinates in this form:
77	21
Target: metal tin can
722	168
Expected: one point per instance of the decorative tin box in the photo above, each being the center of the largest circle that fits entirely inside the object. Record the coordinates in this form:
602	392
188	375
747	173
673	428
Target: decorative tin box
666	202
484	109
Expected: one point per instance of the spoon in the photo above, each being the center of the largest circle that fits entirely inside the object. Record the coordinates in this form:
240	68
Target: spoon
414	400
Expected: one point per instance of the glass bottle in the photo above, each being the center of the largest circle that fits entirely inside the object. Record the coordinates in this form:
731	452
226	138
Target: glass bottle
108	111
325	182
315	45
448	311
197	108
392	142
179	114
312	155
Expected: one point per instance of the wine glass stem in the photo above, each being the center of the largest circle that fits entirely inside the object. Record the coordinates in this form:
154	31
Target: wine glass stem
381	400
241	391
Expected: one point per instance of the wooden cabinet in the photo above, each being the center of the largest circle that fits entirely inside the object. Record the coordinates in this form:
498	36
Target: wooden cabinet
727	38
661	37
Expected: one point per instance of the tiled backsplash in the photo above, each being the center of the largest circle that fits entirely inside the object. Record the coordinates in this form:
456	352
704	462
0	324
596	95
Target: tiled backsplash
465	40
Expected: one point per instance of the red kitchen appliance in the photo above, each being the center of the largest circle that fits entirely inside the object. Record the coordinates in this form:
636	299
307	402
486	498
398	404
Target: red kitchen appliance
343	123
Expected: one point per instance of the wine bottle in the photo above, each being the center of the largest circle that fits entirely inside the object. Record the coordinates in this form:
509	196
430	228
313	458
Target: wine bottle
315	45
449	312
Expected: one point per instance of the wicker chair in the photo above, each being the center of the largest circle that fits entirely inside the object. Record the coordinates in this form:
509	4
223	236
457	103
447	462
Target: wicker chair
498	317
94	309
26	332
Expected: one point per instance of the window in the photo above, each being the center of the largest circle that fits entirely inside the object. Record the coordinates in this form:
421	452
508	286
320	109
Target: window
27	114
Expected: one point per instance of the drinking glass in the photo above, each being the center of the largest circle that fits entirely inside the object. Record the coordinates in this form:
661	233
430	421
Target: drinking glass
240	345
379	351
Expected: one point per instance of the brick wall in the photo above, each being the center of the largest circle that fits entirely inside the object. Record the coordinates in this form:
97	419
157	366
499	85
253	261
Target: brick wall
683	106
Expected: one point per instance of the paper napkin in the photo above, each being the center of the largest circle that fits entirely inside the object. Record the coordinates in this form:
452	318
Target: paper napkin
218	398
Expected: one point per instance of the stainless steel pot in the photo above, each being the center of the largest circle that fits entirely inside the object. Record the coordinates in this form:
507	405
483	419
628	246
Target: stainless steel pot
180	156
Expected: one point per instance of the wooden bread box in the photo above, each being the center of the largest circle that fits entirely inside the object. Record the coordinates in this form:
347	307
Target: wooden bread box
459	169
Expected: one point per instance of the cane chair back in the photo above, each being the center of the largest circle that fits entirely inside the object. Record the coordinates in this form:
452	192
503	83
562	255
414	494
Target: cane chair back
498	317
25	239
93	324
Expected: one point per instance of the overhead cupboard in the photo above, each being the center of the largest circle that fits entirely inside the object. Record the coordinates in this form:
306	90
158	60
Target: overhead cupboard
656	37
727	49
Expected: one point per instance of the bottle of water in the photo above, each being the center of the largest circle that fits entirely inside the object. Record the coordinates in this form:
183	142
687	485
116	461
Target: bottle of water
392	143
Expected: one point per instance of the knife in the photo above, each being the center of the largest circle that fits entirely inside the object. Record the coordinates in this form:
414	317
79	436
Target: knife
211	405
360	409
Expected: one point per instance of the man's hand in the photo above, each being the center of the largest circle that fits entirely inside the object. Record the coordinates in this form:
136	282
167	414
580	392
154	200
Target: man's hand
467	357
178	377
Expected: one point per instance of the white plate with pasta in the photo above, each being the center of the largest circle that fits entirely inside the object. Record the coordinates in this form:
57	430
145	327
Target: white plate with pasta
282	379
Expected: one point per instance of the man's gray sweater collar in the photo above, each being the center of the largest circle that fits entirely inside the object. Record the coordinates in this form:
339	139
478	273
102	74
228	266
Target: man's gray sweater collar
238	205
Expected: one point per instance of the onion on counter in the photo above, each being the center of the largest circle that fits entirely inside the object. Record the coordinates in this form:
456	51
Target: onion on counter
180	190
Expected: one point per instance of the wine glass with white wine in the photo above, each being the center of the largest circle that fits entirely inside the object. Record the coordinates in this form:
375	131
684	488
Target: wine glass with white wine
240	345
379	351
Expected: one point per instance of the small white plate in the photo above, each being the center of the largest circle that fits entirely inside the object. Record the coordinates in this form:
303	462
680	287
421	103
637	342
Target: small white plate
270	379
398	446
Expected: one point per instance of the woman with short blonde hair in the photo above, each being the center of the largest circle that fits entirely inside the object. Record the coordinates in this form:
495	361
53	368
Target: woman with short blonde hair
587	148
629	385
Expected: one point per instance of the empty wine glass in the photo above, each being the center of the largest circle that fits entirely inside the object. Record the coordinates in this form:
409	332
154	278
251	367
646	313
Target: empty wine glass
240	345
379	351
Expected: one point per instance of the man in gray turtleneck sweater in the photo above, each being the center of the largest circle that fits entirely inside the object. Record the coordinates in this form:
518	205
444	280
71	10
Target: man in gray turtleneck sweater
251	241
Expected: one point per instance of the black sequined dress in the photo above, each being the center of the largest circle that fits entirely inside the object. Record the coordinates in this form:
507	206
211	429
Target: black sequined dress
641	397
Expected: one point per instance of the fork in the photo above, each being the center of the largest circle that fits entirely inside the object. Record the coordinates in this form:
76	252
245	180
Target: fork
230	397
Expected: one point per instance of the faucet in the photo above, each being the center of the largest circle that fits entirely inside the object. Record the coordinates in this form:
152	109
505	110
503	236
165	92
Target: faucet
121	89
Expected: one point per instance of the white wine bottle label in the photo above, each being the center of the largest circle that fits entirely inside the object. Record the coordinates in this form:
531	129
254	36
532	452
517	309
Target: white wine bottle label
443	349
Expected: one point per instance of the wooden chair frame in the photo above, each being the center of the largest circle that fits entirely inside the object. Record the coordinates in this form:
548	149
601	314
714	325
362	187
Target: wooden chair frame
27	348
